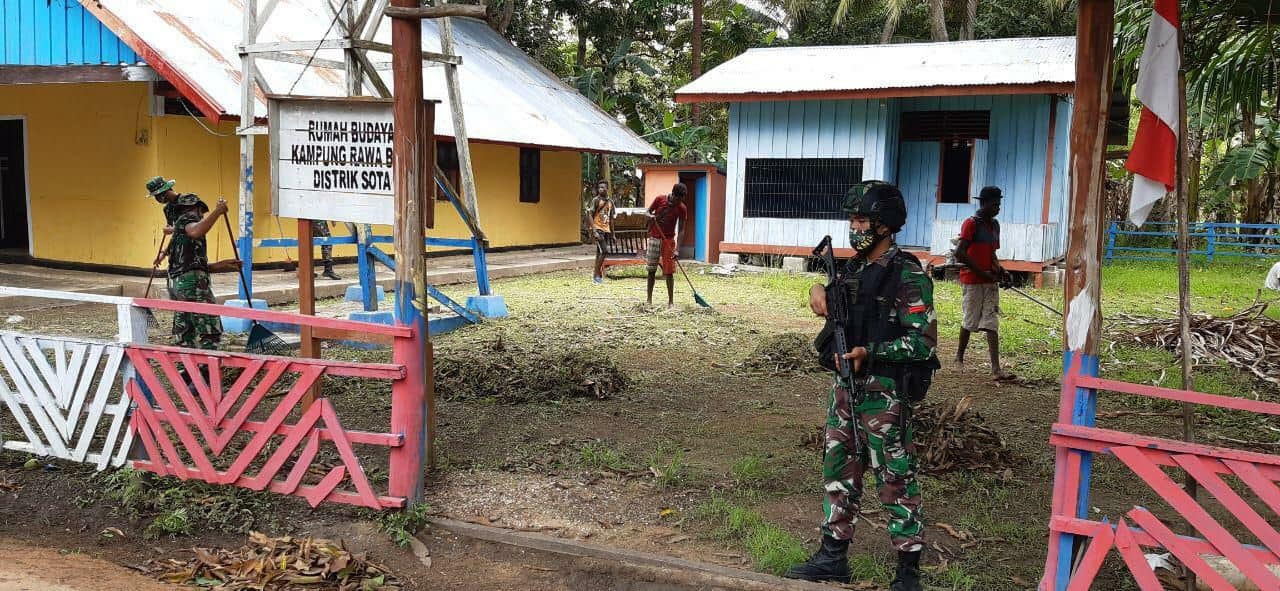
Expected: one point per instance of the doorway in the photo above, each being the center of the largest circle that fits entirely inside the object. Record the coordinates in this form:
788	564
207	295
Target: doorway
14	236
696	201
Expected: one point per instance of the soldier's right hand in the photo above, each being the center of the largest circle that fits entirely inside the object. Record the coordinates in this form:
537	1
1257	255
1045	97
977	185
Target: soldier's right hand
220	207
818	300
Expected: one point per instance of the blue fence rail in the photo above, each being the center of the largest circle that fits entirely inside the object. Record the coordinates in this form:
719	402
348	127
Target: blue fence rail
1209	239
368	256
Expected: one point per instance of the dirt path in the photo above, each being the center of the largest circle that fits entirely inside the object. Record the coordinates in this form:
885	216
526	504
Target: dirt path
27	568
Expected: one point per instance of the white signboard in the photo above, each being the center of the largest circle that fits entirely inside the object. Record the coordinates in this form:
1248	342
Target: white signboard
331	159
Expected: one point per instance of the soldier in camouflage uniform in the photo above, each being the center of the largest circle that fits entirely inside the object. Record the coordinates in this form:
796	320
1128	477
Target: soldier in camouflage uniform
188	220
892	335
320	229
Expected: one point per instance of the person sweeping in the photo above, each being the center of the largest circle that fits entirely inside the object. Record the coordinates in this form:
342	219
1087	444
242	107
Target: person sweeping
667	212
188	220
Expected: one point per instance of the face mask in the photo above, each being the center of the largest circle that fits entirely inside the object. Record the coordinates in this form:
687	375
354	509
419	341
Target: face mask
862	241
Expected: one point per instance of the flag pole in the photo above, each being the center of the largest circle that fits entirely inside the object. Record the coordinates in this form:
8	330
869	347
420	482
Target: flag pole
1184	282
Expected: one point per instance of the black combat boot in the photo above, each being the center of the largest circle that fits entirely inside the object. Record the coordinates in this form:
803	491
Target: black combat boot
829	564
908	576
329	273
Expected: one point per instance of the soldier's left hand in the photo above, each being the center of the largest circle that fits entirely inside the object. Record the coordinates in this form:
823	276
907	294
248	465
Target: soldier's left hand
857	356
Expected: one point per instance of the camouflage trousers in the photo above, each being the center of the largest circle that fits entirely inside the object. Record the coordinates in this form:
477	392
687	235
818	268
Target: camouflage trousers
194	330
320	229
869	428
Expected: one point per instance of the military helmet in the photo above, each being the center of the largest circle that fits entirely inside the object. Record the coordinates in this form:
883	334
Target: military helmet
879	201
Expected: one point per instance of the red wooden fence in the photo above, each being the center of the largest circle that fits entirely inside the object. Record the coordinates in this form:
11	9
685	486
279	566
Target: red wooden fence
1139	528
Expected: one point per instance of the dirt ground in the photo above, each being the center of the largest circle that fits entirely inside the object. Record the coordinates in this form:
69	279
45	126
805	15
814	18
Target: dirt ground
698	457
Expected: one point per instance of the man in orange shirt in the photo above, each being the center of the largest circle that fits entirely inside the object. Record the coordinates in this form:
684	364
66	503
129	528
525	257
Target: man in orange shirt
601	226
667	211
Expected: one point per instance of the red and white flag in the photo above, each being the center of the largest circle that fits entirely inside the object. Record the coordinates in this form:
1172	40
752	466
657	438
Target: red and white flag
1153	159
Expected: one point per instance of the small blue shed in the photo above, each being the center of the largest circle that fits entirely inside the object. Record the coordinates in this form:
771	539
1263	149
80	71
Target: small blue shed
941	120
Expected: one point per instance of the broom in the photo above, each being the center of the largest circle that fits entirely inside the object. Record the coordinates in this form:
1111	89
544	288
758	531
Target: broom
261	340
696	296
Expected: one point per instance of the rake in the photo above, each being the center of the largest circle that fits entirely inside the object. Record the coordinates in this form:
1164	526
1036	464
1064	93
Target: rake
261	340
151	316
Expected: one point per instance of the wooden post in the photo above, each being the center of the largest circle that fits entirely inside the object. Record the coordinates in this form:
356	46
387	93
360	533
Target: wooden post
459	121
1047	202
309	347
412	399
352	70
1088	173
247	81
1083	286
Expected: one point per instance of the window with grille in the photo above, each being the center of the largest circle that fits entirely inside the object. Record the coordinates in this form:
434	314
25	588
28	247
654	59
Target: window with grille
530	175
924	126
798	188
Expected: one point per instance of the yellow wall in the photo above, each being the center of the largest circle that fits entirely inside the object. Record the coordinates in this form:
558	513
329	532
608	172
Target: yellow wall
91	148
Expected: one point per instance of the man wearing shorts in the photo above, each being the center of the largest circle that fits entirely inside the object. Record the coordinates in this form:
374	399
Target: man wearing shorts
601	227
980	278
666	212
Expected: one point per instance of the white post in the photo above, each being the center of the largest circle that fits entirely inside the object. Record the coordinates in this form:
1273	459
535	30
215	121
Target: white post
247	120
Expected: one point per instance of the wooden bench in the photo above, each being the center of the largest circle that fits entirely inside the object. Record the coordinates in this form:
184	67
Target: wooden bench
630	238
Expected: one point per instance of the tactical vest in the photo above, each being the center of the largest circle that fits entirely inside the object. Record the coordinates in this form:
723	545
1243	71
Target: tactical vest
873	318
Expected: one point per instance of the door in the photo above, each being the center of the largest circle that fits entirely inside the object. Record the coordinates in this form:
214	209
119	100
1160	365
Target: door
701	205
13	187
919	165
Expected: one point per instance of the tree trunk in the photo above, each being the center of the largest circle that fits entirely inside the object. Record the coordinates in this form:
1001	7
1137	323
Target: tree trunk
890	27
696	67
938	20
508	11
1252	188
1195	147
970	20
582	48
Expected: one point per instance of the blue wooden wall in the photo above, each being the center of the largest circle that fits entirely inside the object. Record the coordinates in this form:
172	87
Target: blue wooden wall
803	129
1015	153
1013	158
57	33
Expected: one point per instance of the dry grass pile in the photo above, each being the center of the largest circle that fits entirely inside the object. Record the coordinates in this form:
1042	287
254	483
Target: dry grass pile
277	564
514	374
1249	340
953	436
784	353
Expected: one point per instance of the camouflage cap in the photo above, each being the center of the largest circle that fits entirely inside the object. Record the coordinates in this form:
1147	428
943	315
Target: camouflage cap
158	185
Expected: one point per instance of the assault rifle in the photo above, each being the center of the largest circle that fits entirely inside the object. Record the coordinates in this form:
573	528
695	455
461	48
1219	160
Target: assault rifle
837	309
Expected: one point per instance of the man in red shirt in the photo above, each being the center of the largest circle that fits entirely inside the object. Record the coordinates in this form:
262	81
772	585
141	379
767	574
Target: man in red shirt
980	278
665	213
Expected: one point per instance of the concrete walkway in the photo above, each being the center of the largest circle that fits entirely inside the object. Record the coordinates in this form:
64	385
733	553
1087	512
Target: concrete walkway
278	287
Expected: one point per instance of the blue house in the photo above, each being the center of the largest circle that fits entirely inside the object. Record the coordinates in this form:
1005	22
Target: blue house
941	120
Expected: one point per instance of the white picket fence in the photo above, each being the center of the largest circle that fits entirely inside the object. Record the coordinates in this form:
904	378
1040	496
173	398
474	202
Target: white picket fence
67	394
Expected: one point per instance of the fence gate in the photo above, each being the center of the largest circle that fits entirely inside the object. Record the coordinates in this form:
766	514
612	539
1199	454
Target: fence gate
1077	438
224	418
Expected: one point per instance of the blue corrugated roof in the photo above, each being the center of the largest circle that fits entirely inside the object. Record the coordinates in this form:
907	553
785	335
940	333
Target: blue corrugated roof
57	33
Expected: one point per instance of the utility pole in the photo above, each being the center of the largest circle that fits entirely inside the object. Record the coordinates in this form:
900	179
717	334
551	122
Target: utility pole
696	67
